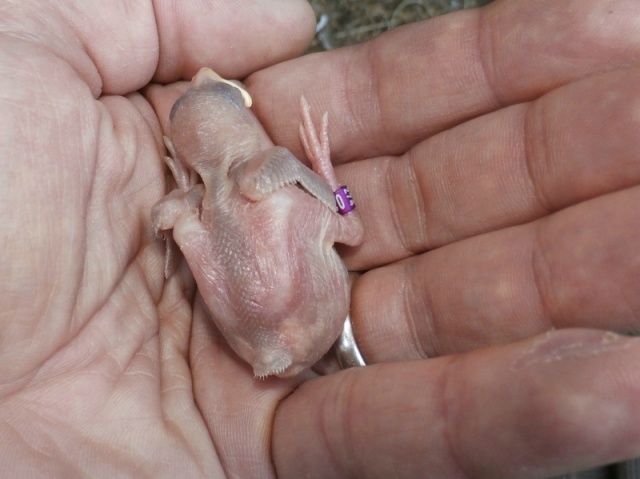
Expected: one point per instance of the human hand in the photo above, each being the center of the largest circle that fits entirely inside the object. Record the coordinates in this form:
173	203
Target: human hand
493	155
105	368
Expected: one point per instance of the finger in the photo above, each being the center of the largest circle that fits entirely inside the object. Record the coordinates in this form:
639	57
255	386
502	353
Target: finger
503	169
561	402
578	267
117	47
385	95
234	38
162	98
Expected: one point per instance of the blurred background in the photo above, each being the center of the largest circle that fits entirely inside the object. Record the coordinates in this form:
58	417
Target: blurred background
345	22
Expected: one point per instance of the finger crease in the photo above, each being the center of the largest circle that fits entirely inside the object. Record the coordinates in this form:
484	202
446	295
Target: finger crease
540	269
529	139
428	346
407	194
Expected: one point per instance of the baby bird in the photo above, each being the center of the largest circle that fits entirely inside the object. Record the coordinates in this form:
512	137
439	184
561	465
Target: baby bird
258	233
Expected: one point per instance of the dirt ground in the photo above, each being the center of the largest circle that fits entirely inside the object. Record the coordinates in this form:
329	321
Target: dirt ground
345	22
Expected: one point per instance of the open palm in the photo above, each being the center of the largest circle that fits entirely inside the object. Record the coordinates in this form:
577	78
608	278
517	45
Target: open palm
104	366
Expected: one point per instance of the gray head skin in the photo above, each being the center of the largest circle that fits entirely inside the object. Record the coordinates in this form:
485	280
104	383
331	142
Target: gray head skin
211	125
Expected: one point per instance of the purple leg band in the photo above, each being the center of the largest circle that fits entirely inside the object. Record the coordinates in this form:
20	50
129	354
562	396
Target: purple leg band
344	201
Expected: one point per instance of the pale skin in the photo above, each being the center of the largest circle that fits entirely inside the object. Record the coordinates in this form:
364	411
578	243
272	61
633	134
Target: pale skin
498	189
260	239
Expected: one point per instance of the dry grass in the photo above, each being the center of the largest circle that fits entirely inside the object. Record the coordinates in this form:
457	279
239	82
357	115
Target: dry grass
352	21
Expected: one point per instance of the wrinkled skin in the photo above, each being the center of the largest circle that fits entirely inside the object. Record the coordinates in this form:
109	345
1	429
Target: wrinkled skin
260	238
496	169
